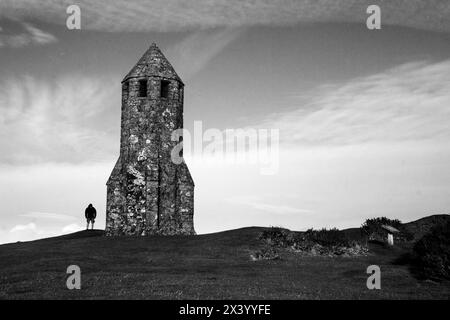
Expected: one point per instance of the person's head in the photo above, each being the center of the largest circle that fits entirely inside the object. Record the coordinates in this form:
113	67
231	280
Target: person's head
90	205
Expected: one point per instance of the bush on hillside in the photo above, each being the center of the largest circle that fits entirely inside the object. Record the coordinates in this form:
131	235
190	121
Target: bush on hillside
314	242
265	253
372	229
276	236
328	238
433	253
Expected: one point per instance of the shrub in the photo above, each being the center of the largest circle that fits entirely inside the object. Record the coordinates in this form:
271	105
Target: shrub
275	236
312	242
328	238
265	253
433	253
372	229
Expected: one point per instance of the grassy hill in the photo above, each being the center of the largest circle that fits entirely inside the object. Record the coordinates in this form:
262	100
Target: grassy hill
419	227
211	266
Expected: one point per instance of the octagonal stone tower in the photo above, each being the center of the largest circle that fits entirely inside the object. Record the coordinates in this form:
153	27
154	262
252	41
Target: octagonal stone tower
147	193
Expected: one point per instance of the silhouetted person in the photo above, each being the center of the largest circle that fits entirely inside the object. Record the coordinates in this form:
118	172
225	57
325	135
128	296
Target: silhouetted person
90	213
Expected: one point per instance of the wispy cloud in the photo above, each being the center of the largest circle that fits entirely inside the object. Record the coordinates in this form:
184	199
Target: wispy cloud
30	35
23	227
54	121
196	50
32	231
73	227
25	232
258	203
48	216
177	15
407	103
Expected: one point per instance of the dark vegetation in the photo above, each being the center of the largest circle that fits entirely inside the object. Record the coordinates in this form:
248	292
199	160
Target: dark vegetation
422	226
432	253
372	229
332	242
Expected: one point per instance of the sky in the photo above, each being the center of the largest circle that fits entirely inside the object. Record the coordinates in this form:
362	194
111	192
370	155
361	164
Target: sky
363	115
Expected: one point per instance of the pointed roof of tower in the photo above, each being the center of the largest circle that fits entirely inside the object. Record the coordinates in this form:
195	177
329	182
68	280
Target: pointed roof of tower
153	63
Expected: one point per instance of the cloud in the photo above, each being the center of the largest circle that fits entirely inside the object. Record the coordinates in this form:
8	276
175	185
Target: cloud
408	103
24	227
56	120
177	15
197	49
74	227
31	35
64	189
25	232
258	203
31	231
48	216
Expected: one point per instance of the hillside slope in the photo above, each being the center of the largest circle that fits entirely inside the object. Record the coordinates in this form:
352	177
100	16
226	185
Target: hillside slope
211	266
419	227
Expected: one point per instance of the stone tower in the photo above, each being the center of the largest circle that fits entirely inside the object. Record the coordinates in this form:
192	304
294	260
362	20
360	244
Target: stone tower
147	193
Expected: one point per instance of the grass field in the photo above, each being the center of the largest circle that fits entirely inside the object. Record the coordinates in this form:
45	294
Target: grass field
211	266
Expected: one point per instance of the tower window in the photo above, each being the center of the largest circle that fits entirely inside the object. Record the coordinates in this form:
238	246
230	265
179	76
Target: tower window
142	88
126	87
164	89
